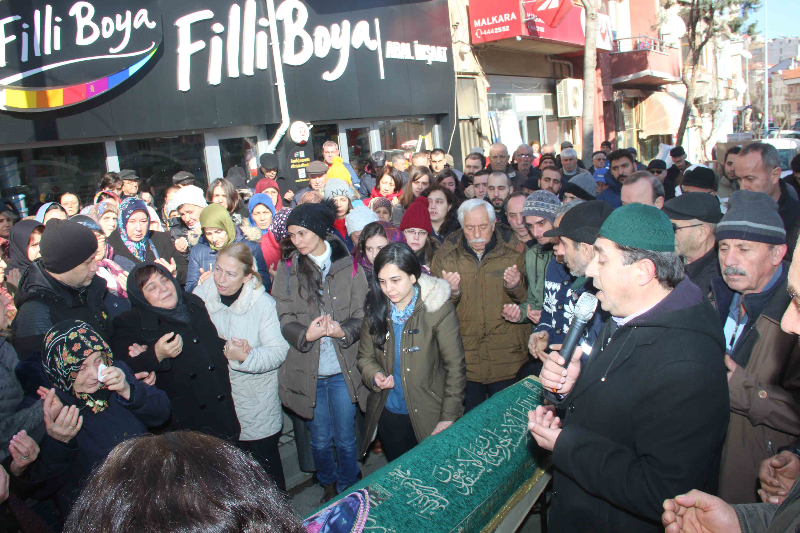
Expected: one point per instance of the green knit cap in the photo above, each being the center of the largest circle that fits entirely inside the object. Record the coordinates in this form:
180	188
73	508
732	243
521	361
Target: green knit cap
640	226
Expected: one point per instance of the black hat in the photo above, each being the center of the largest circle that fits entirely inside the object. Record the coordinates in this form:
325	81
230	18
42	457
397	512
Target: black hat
65	245
378	159
531	184
582	222
314	217
269	161
237	176
183	177
694	206
677	151
128	174
657	164
700	177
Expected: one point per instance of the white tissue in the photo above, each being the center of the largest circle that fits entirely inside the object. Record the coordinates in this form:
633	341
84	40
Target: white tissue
100	369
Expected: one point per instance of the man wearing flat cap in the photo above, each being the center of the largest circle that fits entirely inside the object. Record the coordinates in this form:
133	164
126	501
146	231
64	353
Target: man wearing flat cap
268	168
763	361
694	217
317	173
644	414
130	183
183	179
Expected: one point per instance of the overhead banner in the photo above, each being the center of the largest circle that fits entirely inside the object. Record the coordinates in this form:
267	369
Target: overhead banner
494	20
90	69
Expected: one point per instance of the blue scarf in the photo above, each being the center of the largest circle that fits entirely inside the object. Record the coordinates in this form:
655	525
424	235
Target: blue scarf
401	317
129	206
254	201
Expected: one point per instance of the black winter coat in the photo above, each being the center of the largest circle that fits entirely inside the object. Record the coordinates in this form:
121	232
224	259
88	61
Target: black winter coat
645	421
165	248
196	381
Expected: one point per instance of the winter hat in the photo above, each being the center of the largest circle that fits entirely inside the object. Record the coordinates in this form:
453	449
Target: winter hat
338	171
700	177
237	176
182	177
87	221
255	201
191	194
541	203
314	217
657	164
677	151
583	186
417	216
582	222
639	226
65	245
216	216
380	201
269	161
359	217
751	216
336	187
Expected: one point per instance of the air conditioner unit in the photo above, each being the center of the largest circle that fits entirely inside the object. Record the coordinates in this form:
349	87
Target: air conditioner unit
569	95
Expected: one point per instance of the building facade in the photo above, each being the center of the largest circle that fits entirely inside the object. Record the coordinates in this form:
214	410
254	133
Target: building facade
158	87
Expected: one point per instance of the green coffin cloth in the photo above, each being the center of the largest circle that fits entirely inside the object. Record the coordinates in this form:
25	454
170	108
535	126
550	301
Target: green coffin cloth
460	479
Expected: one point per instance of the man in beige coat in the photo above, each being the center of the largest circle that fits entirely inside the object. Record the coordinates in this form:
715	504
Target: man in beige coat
485	272
763	361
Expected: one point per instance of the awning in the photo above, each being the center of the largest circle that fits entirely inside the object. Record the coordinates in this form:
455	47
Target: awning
661	114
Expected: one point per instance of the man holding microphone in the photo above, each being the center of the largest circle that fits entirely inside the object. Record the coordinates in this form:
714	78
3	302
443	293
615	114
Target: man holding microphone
643	416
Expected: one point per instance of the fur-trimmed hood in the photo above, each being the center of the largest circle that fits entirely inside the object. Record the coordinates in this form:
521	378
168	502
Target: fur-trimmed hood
435	292
251	233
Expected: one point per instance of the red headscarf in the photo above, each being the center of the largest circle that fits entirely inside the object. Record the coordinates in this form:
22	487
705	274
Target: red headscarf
268	183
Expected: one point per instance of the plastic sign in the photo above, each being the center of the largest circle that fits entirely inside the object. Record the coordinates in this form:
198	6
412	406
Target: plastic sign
299	132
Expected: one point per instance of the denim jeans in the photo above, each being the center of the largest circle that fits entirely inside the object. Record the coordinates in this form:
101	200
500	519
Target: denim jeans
334	424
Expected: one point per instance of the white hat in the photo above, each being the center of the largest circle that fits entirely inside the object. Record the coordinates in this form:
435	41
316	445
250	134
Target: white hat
336	187
358	217
190	194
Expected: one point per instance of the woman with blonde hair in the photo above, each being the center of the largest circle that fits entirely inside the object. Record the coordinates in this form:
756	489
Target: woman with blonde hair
243	312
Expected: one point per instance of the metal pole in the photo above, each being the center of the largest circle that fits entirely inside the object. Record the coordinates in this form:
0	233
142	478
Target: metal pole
766	73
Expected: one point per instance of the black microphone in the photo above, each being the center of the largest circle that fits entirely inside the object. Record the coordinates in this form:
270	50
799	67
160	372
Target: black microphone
584	311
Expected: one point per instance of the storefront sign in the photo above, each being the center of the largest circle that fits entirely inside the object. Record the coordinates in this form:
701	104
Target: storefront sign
105	69
494	20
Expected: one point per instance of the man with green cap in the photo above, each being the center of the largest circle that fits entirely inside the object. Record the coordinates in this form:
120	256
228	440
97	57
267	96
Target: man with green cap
643	415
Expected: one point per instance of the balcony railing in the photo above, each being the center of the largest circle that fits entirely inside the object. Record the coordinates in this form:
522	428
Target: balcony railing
641	42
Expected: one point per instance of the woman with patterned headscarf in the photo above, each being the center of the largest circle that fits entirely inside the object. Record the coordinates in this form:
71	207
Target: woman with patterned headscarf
94	404
105	214
134	243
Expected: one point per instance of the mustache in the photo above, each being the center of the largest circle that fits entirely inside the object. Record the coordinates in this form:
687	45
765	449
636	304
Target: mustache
734	271
478	241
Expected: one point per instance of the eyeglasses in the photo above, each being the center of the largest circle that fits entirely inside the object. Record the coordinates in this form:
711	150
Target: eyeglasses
676	228
415	233
527	156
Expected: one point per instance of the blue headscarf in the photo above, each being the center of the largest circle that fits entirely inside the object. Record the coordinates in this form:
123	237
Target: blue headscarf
45	207
129	206
255	200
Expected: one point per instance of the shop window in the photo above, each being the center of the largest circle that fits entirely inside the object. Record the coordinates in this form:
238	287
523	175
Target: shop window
157	160
401	136
241	151
34	175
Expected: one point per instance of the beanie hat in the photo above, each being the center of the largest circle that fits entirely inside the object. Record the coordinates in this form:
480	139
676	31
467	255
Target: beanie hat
417	216
700	177
336	187
268	161
65	245
359	217
639	226
314	217
191	194
677	151
541	203
582	185
237	176
752	216
380	201
338	171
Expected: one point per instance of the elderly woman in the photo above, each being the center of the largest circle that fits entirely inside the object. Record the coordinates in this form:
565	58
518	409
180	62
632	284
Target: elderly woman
169	331
133	242
106	214
270	187
218	232
95	404
262	216
241	309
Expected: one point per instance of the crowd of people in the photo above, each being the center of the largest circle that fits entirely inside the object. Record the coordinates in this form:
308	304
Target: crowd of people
145	346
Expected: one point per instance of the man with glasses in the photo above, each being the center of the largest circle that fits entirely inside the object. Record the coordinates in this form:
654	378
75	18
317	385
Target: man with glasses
524	159
485	272
658	168
694	217
330	150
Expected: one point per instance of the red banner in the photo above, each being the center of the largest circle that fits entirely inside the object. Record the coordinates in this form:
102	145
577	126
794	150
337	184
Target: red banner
492	20
551	12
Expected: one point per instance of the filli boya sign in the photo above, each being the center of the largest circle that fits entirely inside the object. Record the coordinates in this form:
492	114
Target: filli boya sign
59	54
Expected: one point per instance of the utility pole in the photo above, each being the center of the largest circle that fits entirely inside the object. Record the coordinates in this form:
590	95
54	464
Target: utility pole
589	68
